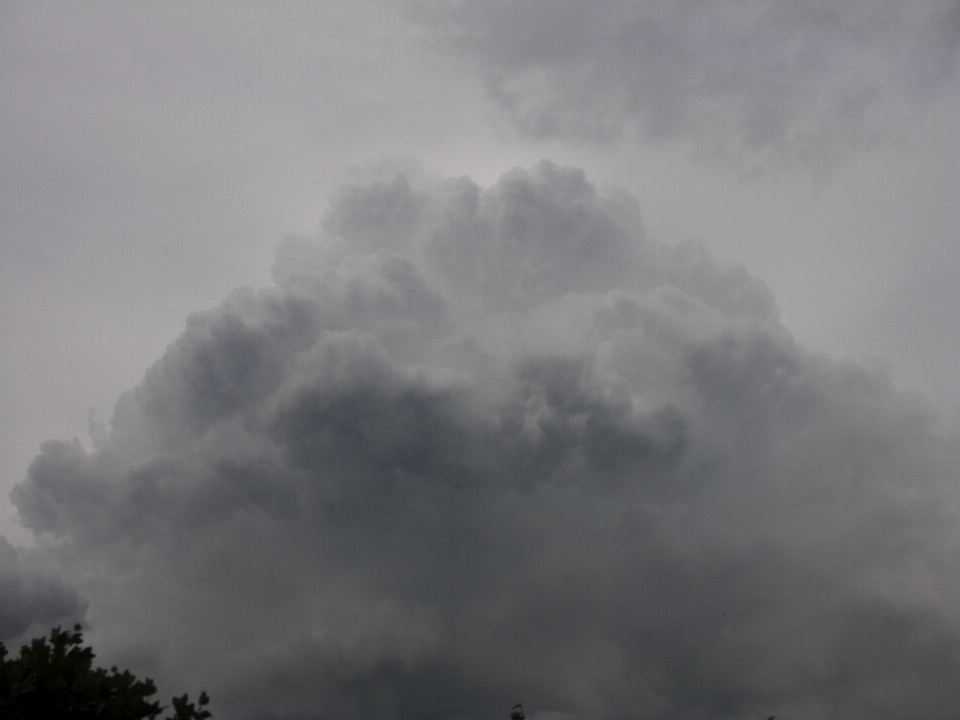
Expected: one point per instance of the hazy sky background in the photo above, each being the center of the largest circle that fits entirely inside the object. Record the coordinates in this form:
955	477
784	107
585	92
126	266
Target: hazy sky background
153	157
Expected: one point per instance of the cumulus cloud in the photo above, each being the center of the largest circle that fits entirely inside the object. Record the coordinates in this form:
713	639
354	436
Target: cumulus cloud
756	85
478	445
31	599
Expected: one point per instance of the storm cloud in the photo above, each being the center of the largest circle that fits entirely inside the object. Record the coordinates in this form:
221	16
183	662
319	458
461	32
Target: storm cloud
31	599
758	86
480	445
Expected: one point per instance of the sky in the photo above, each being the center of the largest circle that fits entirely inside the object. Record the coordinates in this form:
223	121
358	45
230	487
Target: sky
410	359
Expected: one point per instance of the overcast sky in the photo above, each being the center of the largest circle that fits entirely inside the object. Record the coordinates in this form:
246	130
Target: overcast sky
406	360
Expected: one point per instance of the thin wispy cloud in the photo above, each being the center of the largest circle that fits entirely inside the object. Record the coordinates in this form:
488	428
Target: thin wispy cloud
757	86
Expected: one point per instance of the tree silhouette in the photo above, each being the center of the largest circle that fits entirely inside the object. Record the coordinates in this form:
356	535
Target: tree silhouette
56	679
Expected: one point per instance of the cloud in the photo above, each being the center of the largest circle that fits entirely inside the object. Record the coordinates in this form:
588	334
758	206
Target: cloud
31	599
758	86
478	445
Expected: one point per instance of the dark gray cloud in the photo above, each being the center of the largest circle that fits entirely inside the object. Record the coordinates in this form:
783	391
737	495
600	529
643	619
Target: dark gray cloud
483	445
31	599
757	85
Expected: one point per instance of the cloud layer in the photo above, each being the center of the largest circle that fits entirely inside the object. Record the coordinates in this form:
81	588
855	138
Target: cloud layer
31	600
757	85
481	445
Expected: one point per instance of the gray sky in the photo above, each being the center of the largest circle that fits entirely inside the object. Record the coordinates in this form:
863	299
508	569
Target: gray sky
487	433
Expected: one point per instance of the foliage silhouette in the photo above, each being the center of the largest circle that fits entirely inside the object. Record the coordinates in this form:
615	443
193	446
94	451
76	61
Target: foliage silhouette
56	679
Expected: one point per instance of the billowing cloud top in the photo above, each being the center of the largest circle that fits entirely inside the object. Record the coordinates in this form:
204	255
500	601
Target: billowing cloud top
481	445
758	85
